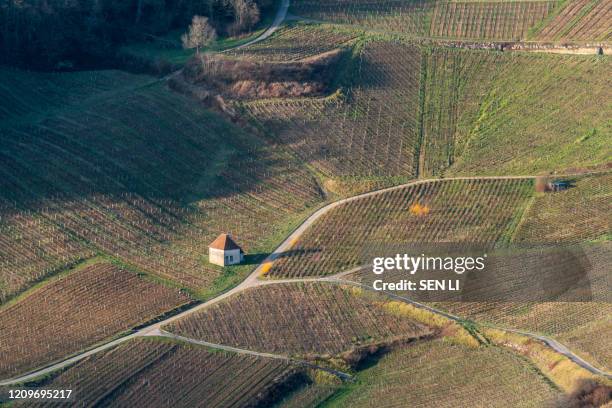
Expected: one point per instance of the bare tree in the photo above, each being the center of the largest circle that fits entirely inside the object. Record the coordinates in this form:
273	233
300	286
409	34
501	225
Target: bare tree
246	15
200	34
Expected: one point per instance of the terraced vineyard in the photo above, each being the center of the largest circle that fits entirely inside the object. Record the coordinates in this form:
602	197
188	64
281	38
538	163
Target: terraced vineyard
495	20
111	180
369	132
153	372
478	106
390	15
449	375
450	111
75	312
472	211
28	94
584	326
300	318
468	20
545	99
587	203
297	41
112	185
579	20
577	315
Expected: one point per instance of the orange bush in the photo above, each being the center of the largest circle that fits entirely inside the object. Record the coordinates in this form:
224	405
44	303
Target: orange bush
419	210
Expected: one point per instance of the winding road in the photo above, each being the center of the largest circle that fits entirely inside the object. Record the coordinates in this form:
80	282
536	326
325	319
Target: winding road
253	280
281	15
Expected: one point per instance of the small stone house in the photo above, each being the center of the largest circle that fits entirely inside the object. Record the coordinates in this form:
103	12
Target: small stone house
224	251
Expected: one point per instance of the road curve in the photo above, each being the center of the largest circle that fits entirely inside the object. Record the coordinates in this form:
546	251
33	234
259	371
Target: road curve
561	349
281	14
253	281
555	345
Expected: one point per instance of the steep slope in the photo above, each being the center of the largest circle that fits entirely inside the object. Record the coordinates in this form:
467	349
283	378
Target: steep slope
136	172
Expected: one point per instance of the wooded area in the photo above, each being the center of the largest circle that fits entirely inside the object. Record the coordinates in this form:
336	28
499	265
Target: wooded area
55	33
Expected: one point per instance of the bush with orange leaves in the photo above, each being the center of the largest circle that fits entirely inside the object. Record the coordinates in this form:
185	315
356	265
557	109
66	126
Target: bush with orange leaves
419	210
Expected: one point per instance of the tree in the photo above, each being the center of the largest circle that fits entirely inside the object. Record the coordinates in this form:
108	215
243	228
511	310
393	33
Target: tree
246	15
200	34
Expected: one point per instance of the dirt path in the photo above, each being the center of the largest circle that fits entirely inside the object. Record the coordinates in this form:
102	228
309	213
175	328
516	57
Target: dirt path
555	345
253	281
279	18
281	15
340	374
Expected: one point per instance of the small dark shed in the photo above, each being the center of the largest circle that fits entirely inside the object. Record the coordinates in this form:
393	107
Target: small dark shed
558	185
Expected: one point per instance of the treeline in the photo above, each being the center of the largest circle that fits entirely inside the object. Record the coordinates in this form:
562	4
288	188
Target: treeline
49	33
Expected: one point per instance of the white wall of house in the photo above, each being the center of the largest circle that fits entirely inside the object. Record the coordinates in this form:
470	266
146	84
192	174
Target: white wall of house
223	258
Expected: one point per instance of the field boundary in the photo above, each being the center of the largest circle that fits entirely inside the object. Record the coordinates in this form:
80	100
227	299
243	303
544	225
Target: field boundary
162	333
253	280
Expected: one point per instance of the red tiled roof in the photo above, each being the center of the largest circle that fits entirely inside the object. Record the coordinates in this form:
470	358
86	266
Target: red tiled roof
224	242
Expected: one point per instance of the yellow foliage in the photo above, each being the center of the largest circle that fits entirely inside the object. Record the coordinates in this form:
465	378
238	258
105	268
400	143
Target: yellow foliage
324	378
265	268
456	332
560	369
419	210
292	243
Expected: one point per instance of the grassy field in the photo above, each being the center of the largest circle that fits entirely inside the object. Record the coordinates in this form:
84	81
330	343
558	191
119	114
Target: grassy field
299	319
77	311
512	113
473	211
155	372
133	170
404	110
535	114
437	373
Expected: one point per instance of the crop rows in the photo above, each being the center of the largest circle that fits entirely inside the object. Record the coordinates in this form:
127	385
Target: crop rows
532	113
581	325
76	311
312	395
296	42
452	375
472	211
32	248
479	107
411	17
150	372
371	132
588	204
24	95
508	20
470	20
580	20
309	318
440	110
101	179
